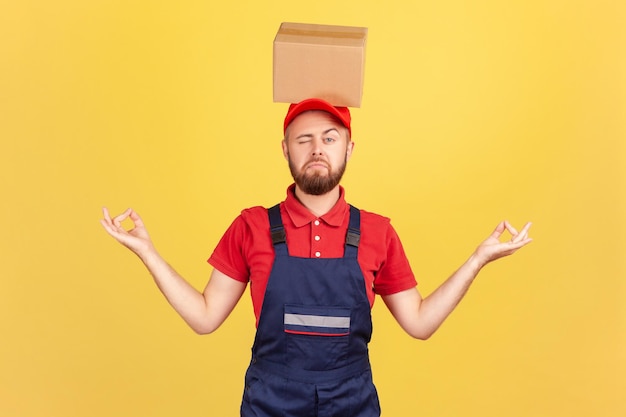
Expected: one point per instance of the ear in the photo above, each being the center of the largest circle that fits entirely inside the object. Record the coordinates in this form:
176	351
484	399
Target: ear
285	149
349	150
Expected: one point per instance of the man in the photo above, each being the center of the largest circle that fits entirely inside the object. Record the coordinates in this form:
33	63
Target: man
314	264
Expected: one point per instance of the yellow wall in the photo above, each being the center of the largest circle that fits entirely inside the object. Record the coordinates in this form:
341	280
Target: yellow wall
472	112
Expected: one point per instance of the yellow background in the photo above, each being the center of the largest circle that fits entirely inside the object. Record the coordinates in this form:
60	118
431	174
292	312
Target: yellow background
472	112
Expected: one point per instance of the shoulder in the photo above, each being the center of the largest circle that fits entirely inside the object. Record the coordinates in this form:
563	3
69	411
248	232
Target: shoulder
253	217
254	213
249	220
375	221
374	217
379	228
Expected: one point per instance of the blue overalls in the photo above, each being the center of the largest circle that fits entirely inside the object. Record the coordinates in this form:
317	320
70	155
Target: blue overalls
310	356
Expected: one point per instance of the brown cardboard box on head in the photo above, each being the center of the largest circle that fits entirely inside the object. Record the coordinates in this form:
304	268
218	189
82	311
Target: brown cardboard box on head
321	61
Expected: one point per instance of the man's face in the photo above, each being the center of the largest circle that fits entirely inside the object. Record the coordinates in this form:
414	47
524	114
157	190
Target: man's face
317	148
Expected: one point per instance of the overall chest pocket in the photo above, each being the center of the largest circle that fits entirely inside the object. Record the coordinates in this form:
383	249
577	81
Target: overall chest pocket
317	337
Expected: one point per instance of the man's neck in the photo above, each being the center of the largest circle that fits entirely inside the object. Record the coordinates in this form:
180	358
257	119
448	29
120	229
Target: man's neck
318	204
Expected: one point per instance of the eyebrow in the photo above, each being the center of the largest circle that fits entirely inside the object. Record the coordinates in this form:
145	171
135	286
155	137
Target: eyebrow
310	135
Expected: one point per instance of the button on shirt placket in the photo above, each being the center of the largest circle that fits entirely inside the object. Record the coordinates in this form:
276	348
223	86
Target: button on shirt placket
315	244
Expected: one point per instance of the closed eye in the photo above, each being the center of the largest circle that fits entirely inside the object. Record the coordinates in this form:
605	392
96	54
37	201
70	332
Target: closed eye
304	138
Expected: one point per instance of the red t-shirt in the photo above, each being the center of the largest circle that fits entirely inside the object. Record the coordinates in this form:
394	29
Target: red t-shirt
245	252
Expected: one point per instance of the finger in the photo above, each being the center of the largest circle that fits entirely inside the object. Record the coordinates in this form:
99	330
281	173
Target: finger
108	222
526	228
514	246
105	213
523	234
117	221
109	228
498	230
513	231
134	216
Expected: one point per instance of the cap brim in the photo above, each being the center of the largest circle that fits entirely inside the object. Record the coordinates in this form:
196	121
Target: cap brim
341	113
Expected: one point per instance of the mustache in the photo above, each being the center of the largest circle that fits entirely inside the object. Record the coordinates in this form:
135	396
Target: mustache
316	160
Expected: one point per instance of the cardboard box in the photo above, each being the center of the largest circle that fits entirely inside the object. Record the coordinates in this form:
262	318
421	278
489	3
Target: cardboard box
322	61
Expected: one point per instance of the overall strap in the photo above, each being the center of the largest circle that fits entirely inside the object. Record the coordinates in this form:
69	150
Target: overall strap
353	236
277	230
276	225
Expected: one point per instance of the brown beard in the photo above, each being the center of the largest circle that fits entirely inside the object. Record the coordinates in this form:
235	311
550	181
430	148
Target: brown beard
316	184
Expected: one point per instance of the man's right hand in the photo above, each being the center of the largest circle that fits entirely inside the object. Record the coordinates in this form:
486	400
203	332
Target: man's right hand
203	312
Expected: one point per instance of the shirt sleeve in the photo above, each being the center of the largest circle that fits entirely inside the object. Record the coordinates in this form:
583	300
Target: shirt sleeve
395	273
228	256
245	252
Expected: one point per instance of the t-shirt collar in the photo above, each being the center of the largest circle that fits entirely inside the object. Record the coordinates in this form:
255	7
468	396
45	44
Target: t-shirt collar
301	216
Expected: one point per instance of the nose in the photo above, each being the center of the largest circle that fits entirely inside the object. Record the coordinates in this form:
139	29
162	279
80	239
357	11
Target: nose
317	147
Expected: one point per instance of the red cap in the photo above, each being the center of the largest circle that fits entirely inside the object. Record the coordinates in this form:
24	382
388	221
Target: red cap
341	113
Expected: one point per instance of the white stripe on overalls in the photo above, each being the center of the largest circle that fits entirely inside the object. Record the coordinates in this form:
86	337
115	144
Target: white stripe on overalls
317	321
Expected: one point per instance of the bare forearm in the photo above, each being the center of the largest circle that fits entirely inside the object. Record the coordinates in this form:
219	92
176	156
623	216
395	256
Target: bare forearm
419	317
435	308
204	312
188	302
422	317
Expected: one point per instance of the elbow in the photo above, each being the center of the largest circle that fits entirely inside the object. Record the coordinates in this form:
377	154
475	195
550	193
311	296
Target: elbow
423	335
201	331
420	333
202	328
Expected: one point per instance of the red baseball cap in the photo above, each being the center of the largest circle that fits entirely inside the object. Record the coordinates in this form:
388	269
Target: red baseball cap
341	113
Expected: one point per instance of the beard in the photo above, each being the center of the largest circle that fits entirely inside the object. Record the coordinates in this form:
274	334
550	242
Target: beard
316	183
